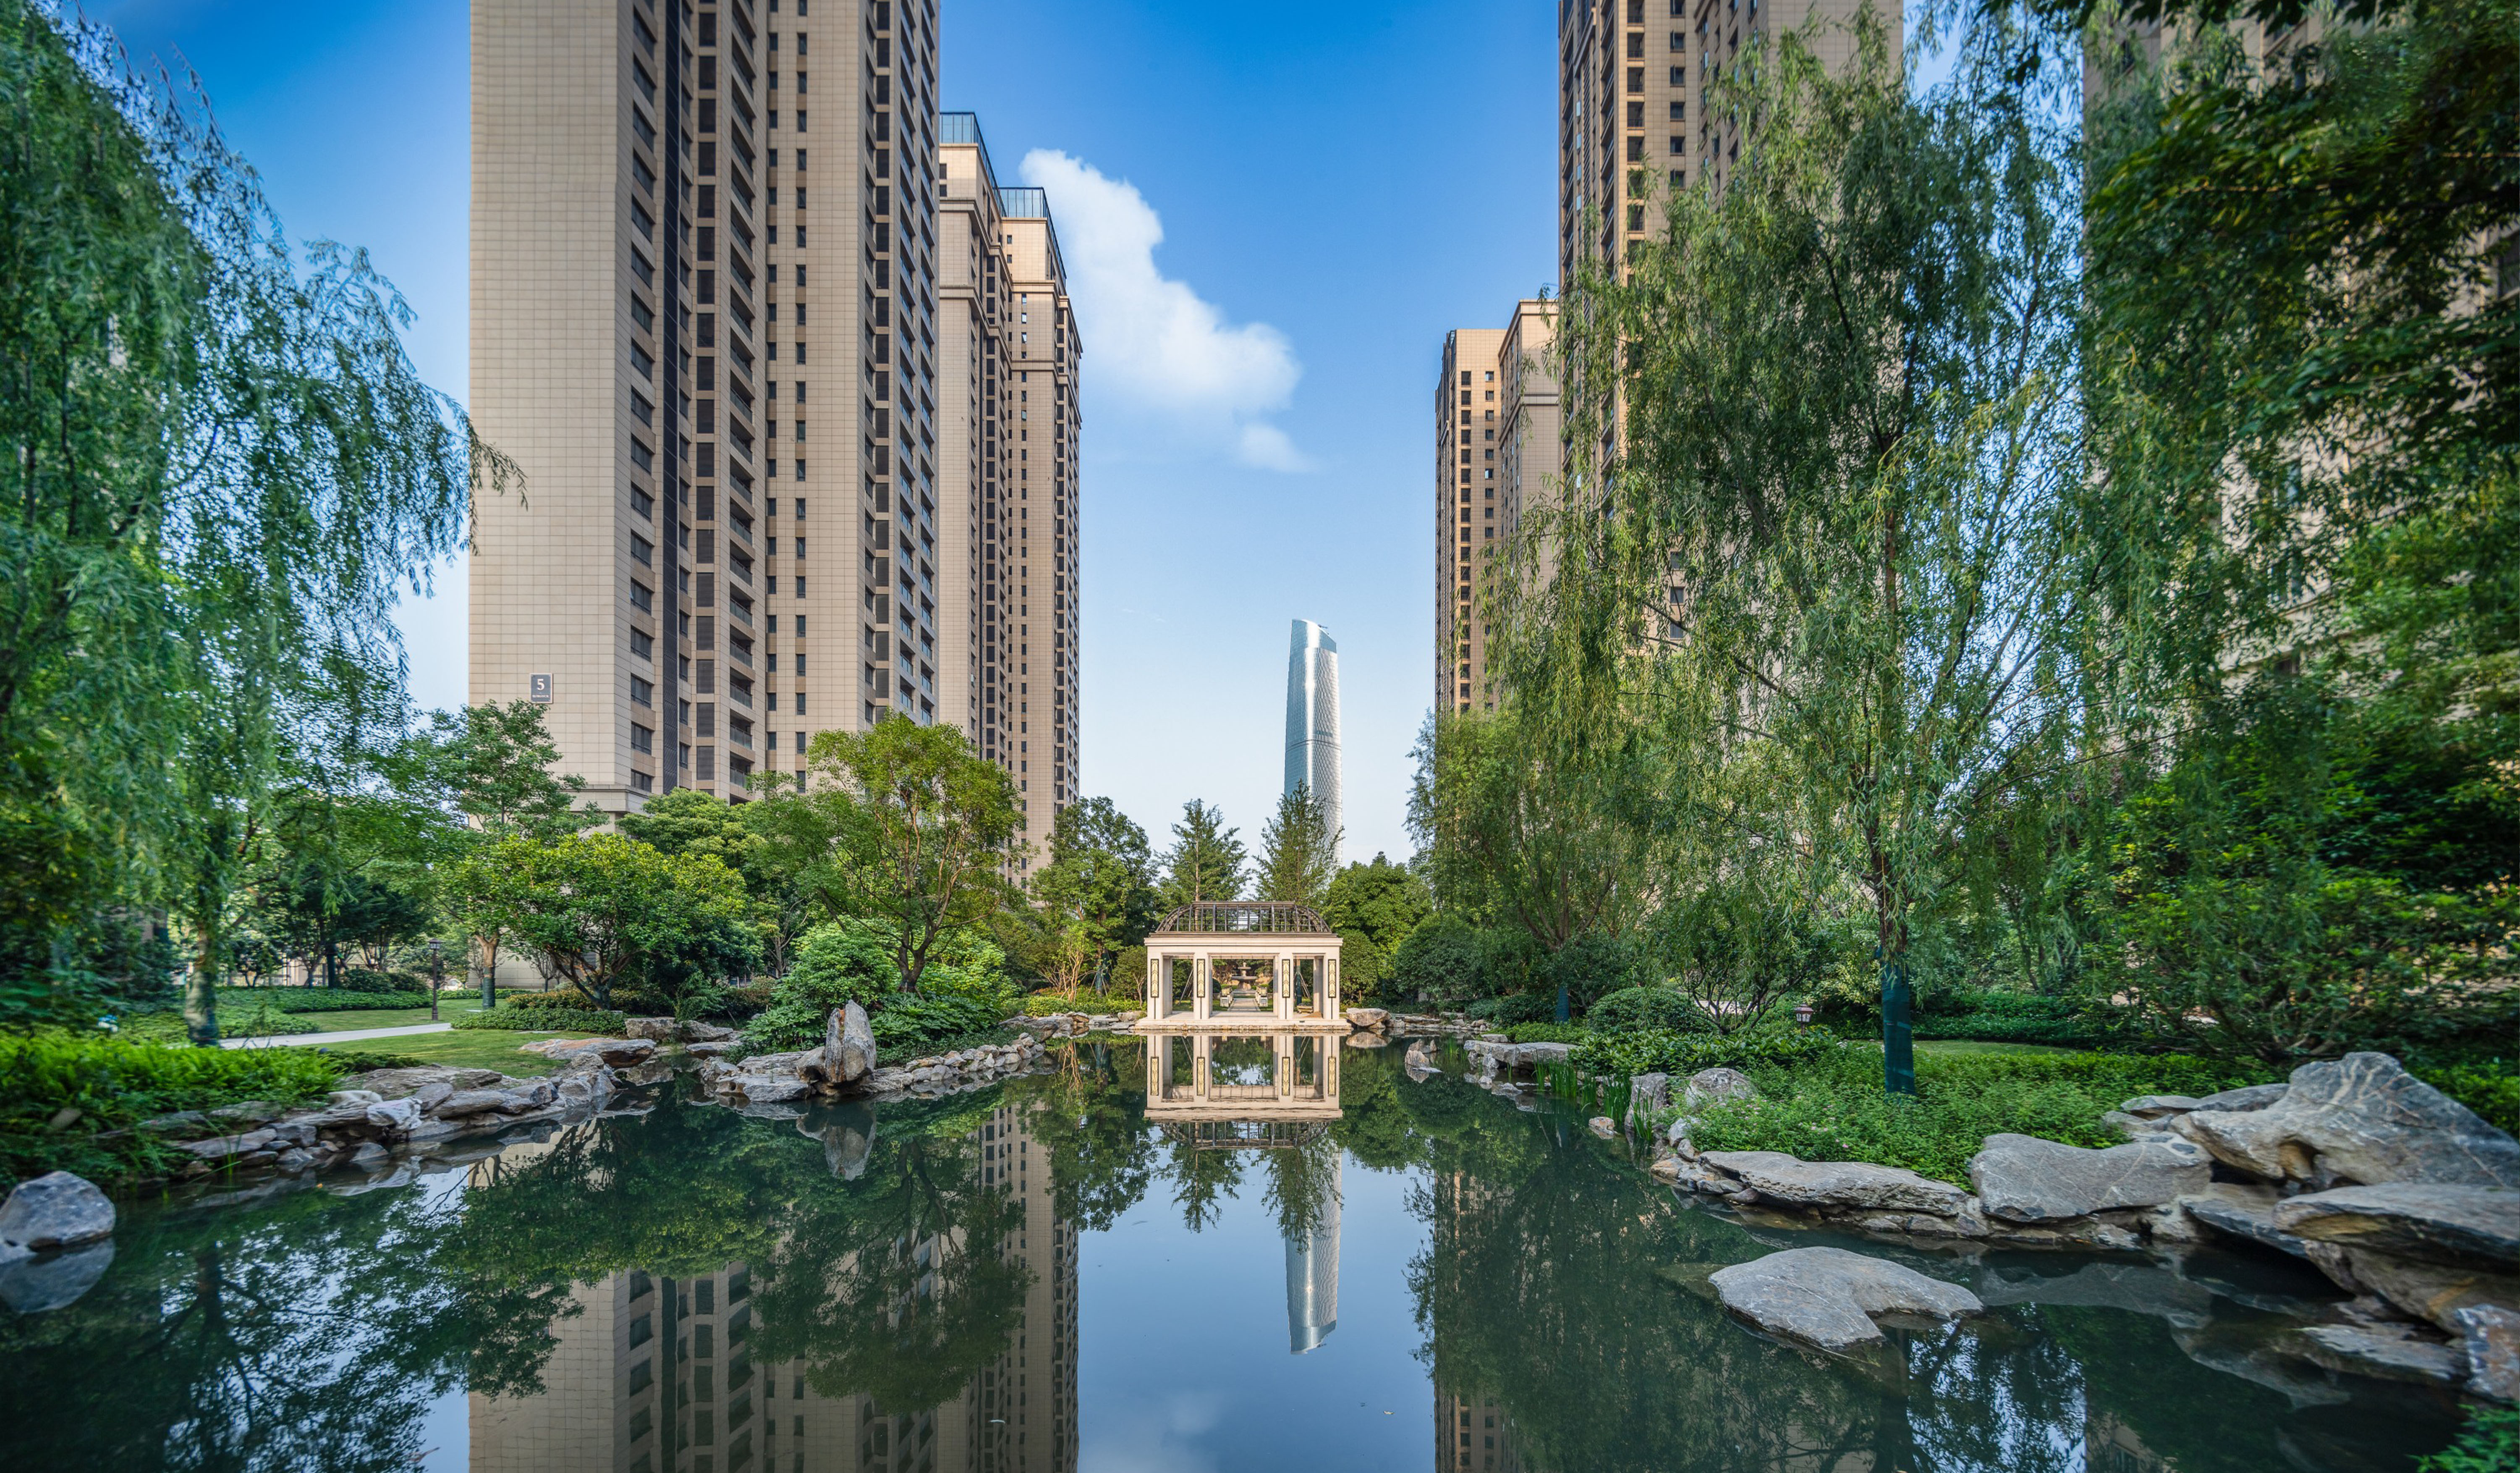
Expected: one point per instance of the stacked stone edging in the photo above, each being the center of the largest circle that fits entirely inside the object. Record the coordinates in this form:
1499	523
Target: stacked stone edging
2400	1195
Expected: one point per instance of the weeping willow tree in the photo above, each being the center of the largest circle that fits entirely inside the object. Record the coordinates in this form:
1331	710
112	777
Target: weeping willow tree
221	468
1840	552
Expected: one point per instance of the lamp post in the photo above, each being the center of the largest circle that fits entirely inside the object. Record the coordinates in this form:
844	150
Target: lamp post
1803	1013
436	974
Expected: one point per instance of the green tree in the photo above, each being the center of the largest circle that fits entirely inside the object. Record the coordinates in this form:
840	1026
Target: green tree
1855	532
221	468
1298	849
902	824
493	764
601	911
1373	907
837	963
1441	960
1096	894
1205	864
689	821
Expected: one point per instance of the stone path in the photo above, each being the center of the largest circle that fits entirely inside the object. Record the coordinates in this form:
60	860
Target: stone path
347	1035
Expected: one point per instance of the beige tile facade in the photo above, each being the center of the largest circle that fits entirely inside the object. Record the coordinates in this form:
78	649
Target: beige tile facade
1009	426
1466	424
708	253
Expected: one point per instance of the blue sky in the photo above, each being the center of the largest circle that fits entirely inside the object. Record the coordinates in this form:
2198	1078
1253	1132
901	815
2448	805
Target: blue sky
1337	186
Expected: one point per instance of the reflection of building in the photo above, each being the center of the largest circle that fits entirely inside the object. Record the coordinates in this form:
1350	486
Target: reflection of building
1312	716
654	1375
1246	964
1312	1272
1472	1435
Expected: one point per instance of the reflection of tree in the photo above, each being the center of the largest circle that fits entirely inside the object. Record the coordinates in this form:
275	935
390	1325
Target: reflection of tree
1303	1182
1242	1061
1203	1180
1372	1124
901	1286
310	1334
1092	1129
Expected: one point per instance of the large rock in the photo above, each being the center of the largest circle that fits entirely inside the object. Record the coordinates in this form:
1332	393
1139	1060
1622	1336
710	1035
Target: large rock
770	1088
1368	1017
2392	1352
2162	1106
655	1030
2475	1226
2434	1292
2491	1336
394	1084
2359	1120
852	1054
396	1117
1716	1086
1826	1297
2243	1211
1648	1096
1838	1185
2023	1178
470	1102
57	1210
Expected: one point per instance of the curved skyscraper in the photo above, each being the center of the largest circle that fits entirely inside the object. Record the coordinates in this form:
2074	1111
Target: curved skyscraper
1312	716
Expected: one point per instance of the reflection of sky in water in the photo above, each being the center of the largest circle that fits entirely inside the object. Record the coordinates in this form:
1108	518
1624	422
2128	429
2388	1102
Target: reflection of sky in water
1184	1362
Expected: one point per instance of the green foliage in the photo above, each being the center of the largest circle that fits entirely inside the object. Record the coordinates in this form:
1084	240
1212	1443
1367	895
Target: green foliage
602	910
2489	1444
549	1020
922	1023
2313	879
114	1084
837	963
1085	1000
1514	1008
1440	961
352	1061
1678	1054
2014	1018
1828	1105
1205	864
1096	897
1549	1033
1298	849
1373	907
1651	1007
902	824
2490	1087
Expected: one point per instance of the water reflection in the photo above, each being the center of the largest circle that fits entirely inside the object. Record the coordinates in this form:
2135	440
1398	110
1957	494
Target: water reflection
694	1290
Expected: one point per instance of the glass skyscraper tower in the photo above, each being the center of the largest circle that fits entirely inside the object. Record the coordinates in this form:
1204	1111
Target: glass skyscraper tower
1312	716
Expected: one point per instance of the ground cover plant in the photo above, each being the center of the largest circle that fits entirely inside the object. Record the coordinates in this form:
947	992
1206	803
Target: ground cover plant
570	1020
316	1000
67	1102
1547	1033
1830	1106
1654	1050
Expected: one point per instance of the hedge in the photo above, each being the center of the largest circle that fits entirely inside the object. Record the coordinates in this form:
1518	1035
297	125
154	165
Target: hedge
1549	1033
1661	1050
316	1000
547	1019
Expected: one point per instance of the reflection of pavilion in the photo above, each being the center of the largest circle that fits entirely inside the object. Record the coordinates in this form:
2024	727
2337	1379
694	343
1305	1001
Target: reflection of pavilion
1257	964
1272	1091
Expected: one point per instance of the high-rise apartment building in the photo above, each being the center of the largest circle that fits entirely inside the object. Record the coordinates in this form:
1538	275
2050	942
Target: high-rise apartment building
708	325
1312	717
1632	123
1011	532
1497	456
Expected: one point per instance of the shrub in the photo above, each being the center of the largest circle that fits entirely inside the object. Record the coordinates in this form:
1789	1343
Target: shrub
367	980
921	1023
1549	1033
1656	1050
837	963
546	1019
360	1061
923	1047
1830	1106
1083	1000
114	1084
1516	1007
564	999
2490	1087
316	1000
1440	960
1631	1009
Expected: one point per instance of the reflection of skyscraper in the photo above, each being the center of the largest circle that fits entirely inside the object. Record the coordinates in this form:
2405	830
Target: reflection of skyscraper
655	1375
1311	1273
1313	716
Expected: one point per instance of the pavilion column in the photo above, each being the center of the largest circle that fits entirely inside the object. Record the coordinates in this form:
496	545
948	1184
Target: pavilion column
1330	988
1283	999
1201	1006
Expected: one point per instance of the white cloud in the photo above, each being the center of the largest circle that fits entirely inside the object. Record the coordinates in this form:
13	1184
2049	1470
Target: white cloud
1151	342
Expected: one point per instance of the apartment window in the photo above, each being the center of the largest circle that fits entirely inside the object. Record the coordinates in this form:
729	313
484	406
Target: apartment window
643	693
1678	145
1680	41
1636	43
1635	152
643	504
1680	76
641	597
1636	79
642	644
644	550
1636	217
642	781
1635	114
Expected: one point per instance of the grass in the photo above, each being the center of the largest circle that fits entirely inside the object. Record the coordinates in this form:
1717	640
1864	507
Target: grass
1832	1108
1955	1048
497	1049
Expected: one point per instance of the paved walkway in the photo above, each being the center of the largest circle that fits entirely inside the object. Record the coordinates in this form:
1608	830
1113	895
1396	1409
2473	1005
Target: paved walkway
347	1035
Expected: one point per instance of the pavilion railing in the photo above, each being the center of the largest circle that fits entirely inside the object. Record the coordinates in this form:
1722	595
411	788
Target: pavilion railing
1250	917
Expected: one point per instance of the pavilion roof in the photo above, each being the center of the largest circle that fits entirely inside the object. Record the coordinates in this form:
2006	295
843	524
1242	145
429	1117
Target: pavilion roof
1255	917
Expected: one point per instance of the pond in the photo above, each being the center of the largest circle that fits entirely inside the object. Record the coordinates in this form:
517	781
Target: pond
1057	1275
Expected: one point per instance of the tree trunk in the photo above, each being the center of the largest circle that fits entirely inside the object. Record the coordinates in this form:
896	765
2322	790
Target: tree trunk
200	1001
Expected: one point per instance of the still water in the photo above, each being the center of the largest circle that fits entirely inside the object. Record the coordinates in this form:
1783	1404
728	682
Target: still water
1338	1267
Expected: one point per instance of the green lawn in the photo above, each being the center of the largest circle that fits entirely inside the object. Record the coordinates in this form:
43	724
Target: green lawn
449	1008
490	1048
